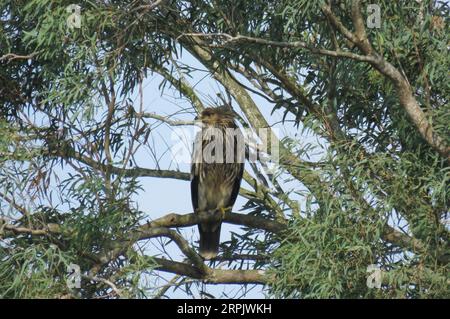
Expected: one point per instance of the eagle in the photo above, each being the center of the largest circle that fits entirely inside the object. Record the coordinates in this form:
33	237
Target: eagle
216	172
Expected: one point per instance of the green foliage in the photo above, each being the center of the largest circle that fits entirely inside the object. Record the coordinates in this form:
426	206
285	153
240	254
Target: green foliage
33	271
326	256
69	131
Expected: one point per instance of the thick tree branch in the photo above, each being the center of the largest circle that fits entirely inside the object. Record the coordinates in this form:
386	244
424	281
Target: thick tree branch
360	29
176	220
186	220
213	276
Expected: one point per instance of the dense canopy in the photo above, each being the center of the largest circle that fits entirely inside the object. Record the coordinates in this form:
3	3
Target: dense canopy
363	168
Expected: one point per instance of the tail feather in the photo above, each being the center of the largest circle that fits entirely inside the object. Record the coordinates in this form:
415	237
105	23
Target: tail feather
209	241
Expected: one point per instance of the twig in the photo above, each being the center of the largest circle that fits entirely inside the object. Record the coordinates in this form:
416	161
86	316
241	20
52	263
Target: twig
163	290
116	290
194	257
165	119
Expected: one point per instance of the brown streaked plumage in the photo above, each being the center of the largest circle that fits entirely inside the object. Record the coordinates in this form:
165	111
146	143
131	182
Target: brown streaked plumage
215	182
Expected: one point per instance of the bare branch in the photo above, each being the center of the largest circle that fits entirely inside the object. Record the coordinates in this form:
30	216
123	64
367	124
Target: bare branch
146	233
151	6
11	56
213	276
182	86
186	220
131	172
6	226
165	119
240	39
13	203
114	288
176	220
166	287
360	30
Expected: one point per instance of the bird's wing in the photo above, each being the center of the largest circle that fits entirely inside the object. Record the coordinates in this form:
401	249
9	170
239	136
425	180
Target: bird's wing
195	170
236	185
238	167
194	189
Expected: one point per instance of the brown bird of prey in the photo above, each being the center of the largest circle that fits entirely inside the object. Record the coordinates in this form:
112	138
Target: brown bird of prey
216	173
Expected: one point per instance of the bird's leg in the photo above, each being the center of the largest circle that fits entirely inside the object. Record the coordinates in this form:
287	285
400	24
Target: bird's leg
223	211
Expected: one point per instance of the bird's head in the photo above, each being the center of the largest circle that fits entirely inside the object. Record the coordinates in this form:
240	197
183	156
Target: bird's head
217	116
